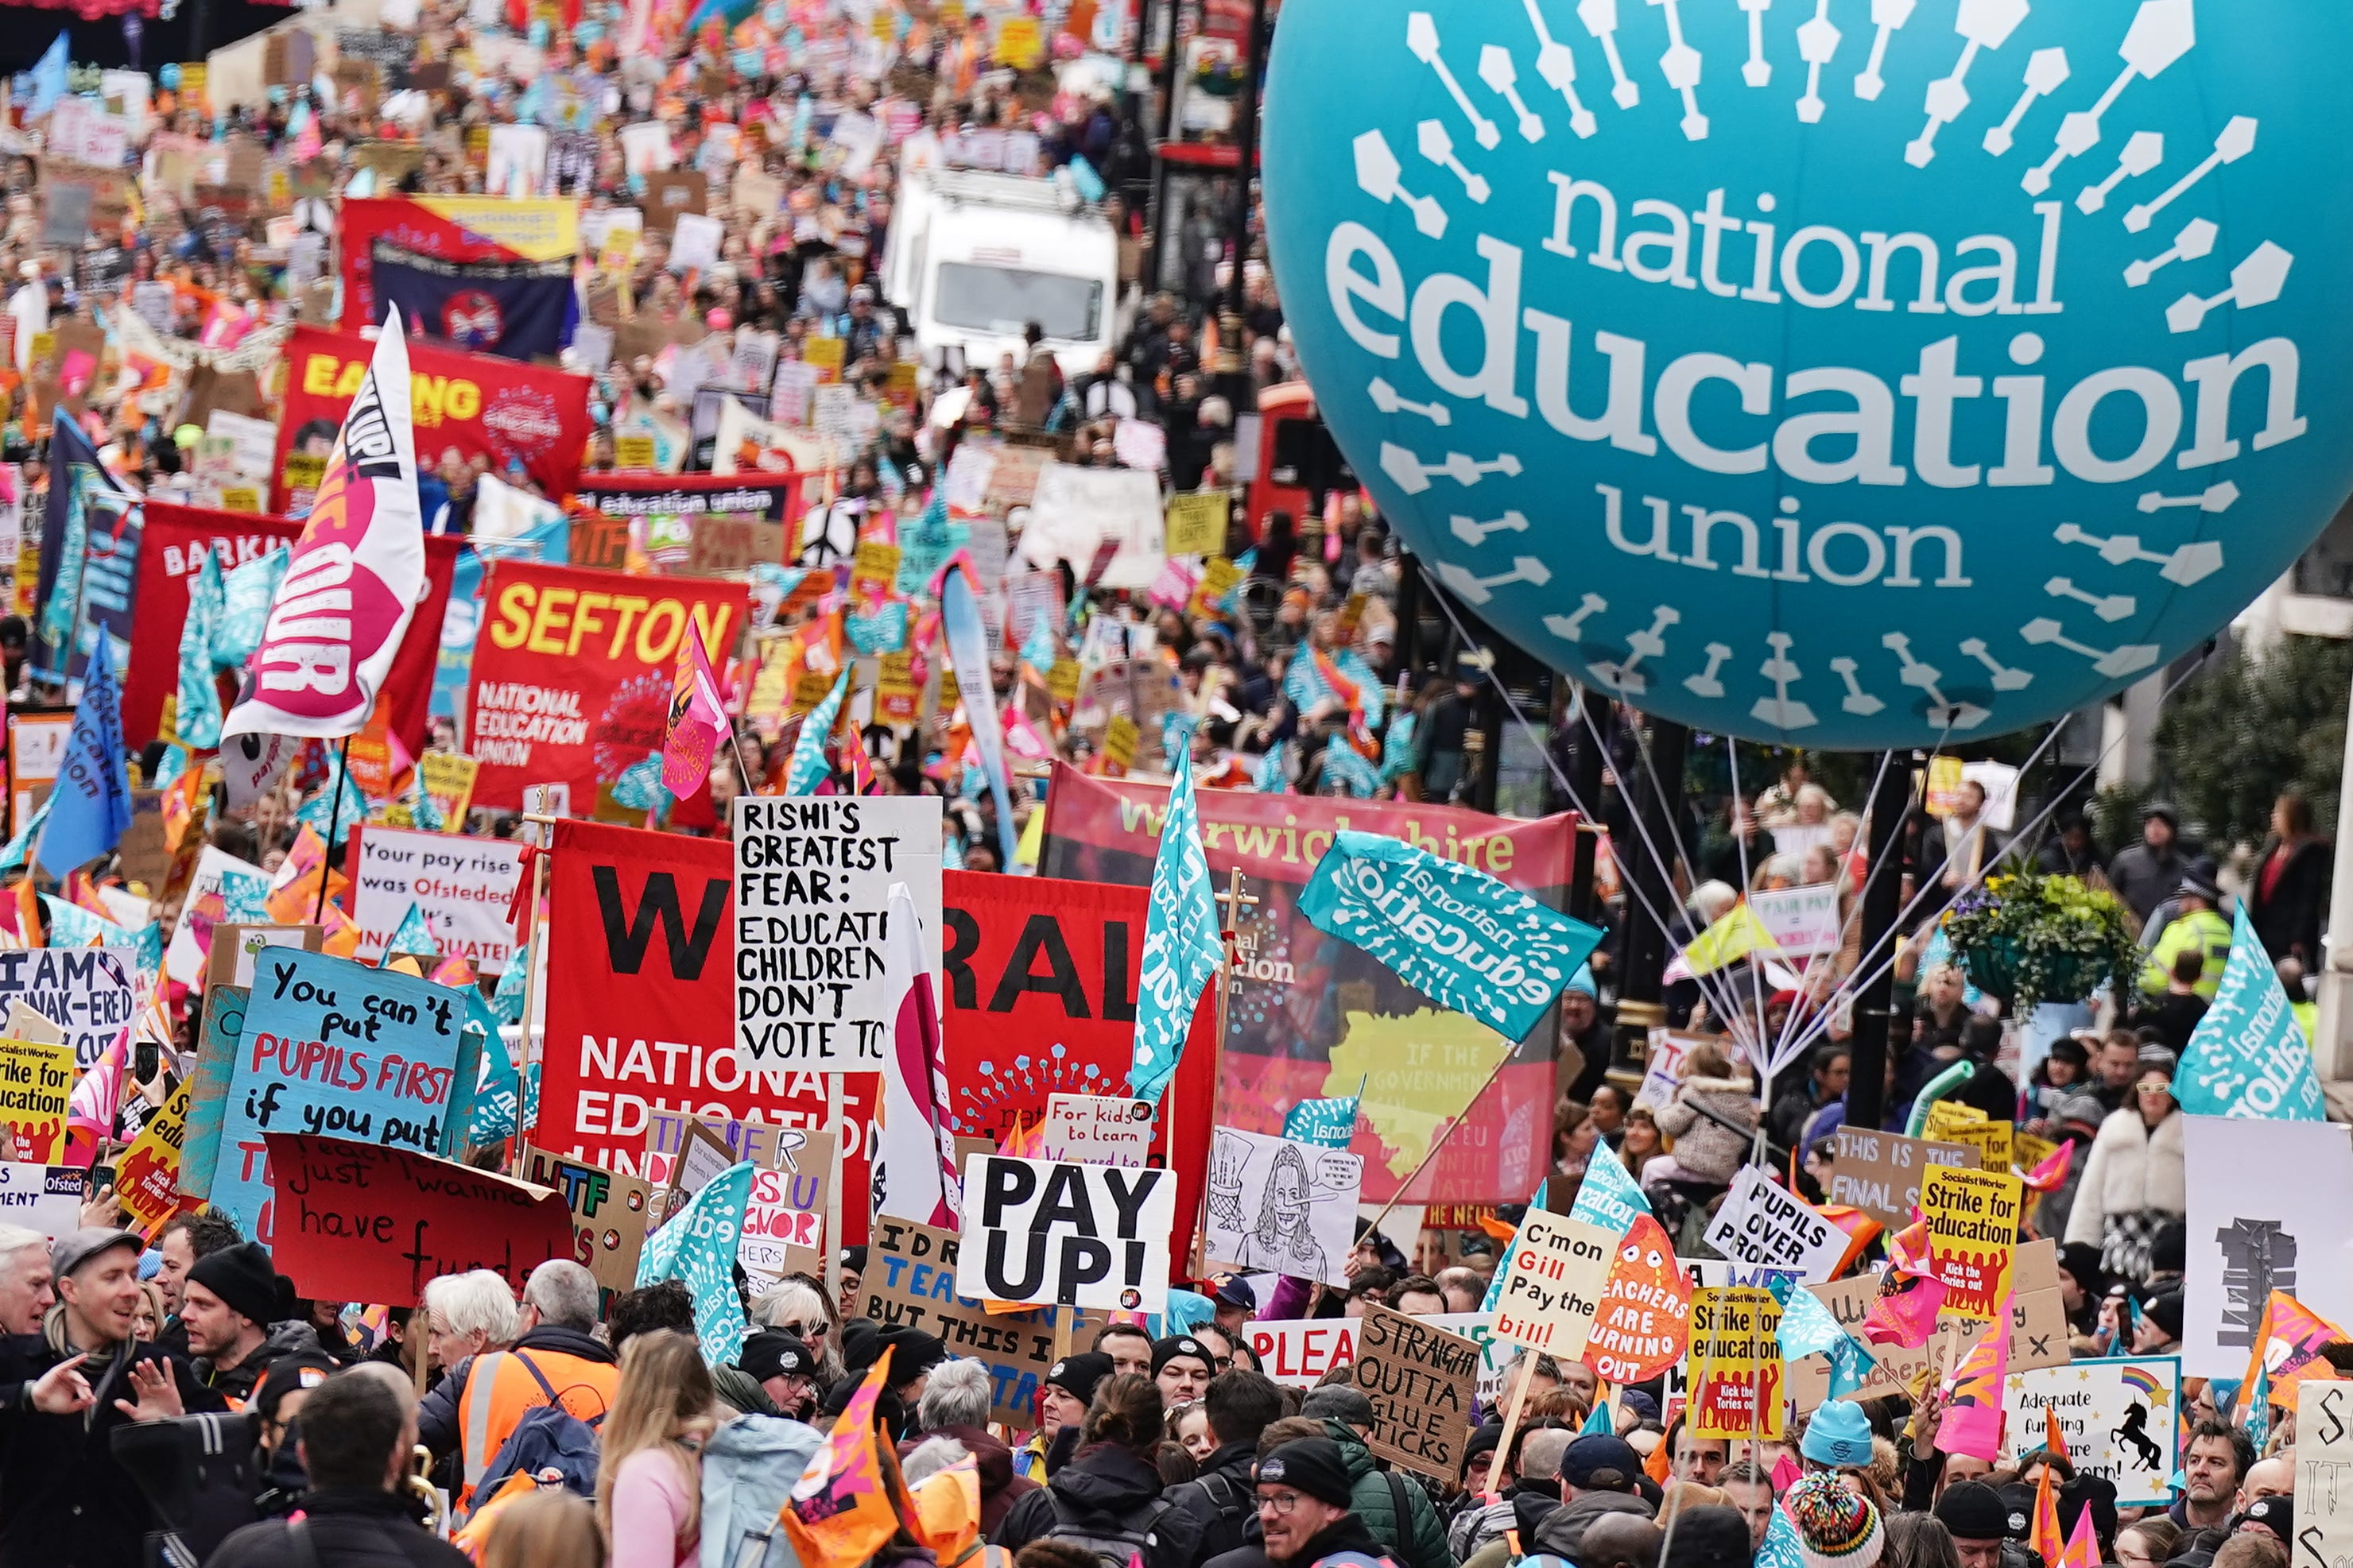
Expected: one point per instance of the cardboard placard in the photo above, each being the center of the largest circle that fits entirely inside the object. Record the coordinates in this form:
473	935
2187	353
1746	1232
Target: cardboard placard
230	960
784	1223
1553	1279
1087	1235
1098	1130
701	1159
608	1214
672	192
2038	1329
764	1146
1736	1363
1421	1381
1881	1172
911	1280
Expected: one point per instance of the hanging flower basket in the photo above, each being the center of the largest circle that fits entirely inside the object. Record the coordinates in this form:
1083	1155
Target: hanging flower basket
2030	939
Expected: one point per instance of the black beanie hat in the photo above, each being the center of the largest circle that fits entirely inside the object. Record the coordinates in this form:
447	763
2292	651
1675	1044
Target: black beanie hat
1176	1345
241	1275
1709	1537
1309	1464
1973	1510
1079	1375
774	1353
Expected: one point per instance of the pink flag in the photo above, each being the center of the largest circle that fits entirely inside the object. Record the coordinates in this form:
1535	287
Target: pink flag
697	719
914	1152
357	572
2083	1547
1973	1393
97	1100
2050	1173
1905	1312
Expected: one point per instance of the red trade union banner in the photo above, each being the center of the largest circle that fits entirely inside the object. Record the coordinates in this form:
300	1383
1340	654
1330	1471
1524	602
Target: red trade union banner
641	1010
573	670
1311	1015
464	405
438	227
171	554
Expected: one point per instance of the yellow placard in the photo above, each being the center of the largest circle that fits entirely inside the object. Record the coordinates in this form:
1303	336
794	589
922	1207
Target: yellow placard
1945	1114
1062	680
825	355
2026	1151
951	692
1736	1363
193	77
900	383
448	778
45	345
811	687
1218	577
875	567
1020	43
1119	741
240	498
305	471
1972	1219
1197	523
1943	784
897	699
147	1177
35	1090
1995	1141
634	451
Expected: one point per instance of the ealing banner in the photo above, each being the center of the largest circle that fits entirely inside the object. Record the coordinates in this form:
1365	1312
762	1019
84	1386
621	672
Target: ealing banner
1311	1015
471	406
641	928
573	670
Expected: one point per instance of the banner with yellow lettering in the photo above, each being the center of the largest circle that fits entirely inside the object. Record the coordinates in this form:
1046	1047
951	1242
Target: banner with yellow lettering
572	674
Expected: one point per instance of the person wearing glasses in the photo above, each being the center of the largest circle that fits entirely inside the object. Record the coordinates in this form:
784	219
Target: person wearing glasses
1302	1508
2137	1180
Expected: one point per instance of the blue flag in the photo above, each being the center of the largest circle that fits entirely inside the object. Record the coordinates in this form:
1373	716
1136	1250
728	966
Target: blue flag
1782	1547
197	713
1807	1329
1328	1123
90	557
1608	1197
20	849
1463	939
414	936
808	769
48	76
1181	945
697	1248
2248	1057
335	821
92	794
516	309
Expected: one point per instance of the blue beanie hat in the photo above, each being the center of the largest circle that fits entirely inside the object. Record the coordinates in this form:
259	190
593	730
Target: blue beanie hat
1839	1435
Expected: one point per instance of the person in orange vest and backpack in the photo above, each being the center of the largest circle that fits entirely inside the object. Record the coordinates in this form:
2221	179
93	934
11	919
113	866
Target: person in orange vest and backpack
555	1360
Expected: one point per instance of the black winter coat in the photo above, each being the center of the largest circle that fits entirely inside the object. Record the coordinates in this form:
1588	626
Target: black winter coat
1104	1480
2289	920
349	1528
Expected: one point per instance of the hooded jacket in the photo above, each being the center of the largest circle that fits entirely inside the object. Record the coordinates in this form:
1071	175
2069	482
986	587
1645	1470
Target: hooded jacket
1705	1149
289	1338
1223	1499
1000	1488
1105	1483
1346	1535
1415	1540
1563	1529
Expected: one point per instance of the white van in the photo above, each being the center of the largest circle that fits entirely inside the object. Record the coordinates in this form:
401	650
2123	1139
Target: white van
974	258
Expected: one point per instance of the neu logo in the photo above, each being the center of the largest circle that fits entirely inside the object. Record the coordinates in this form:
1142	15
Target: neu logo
1843	375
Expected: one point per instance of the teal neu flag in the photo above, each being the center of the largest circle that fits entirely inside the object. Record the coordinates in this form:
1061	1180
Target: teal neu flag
1782	1548
808	768
415	935
1181	945
2248	1057
698	1249
1463	939
1326	1124
197	716
1609	1196
1807	1329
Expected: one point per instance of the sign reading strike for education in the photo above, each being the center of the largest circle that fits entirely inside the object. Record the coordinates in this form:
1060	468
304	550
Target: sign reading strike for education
608	1214
1086	1235
1972	1217
359	1222
1474	945
334	1048
1736	1362
2038	1329
36	1091
1772	1227
812	907
1421	1381
911	1281
46	1198
1098	1130
1880	1172
147	1177
89	992
2324	1455
1553	1279
463	886
2117	1417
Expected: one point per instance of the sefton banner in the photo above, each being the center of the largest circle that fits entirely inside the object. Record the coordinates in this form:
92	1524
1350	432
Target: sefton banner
473	406
572	672
447	228
1312	1013
641	930
174	552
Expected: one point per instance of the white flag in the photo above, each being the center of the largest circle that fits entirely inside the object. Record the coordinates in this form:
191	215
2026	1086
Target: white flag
914	1152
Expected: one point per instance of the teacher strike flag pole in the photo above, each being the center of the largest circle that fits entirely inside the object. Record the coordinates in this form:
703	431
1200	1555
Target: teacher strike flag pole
1182	947
355	575
914	1154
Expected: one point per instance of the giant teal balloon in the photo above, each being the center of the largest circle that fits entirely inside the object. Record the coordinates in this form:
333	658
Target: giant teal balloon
1851	372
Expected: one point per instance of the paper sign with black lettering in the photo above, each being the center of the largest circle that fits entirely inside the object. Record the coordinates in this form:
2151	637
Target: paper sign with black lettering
46	1198
1282	1206
1772	1227
911	1281
461	886
357	1222
333	1049
1098	1129
812	897
90	992
1421	1381
2117	1416
1553	1278
1088	1236
2324	1457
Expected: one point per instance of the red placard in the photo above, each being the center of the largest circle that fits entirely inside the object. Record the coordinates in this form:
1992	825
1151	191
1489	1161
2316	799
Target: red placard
359	1223
467	405
573	670
171	552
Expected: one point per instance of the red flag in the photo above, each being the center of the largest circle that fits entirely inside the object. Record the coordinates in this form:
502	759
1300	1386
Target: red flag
2047	1541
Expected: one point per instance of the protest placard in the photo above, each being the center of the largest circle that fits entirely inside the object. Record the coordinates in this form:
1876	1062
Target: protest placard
2266	1212
1995	1141
1282	1206
35	1090
1087	1235
608	1214
1197	523
1553	1278
359	1222
1769	1226
1421	1381
147	1177
334	1048
784	1223
447	779
1297	1352
89	992
45	1198
2038	1329
911	1280
2324	1457
1880	1172
1098	1130
1803	922
764	1145
461	886
1972	1217
1736	1363
218	1034
813	883
230	961
1642	1325
2117	1417
700	1160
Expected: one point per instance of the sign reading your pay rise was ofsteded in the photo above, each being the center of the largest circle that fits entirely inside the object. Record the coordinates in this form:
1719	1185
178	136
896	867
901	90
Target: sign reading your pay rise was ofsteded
1845	376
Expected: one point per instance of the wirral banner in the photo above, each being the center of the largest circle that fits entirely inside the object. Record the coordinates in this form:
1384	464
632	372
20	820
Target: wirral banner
448	228
469	405
1311	1015
641	928
515	310
571	673
1470	942
170	559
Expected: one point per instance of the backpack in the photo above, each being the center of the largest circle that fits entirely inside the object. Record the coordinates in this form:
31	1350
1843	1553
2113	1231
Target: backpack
549	1439
1114	1540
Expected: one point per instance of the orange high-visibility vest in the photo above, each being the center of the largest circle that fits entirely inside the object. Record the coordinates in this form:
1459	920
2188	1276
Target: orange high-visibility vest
500	1387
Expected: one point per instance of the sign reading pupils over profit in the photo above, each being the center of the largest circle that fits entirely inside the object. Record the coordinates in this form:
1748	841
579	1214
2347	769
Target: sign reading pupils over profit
1844	376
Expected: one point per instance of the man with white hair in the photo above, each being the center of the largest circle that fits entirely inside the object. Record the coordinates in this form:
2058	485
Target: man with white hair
28	1285
954	1405
555	1358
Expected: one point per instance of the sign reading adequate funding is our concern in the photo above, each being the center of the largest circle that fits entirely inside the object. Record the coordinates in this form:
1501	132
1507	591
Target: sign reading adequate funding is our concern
2116	1416
1086	1235
1553	1279
812	900
1421	1381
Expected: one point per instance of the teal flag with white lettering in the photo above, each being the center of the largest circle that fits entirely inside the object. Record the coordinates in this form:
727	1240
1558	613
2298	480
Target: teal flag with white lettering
697	1248
2248	1057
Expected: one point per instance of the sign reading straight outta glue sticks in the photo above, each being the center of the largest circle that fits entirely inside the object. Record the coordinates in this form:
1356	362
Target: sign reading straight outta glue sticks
1552	1283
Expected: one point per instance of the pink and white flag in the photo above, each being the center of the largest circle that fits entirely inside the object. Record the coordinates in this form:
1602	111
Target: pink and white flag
914	1153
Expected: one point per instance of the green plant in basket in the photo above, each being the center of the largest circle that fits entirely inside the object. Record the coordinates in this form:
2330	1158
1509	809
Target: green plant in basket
2031	938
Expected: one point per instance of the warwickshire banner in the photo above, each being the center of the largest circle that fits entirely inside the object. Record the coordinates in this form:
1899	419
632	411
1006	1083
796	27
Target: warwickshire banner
640	927
1311	1015
573	670
468	404
174	552
450	228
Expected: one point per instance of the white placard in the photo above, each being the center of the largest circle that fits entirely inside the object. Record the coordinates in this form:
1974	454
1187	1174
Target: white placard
47	1198
1767	1226
252	441
463	886
1076	510
1098	1130
184	961
2251	1230
812	894
89	992
1280	1204
2116	1416
2324	1457
694	241
1095	1236
1802	922
1297	1353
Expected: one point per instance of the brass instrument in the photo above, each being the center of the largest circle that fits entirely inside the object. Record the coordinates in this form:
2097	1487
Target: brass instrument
437	1508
